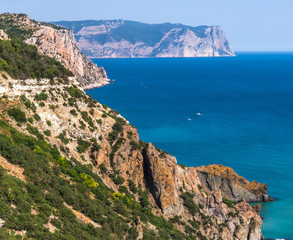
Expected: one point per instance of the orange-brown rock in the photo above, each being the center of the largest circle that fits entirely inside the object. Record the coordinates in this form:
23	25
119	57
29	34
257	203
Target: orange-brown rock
232	186
160	171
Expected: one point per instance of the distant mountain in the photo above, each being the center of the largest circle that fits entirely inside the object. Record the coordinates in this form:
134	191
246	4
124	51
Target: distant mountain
129	39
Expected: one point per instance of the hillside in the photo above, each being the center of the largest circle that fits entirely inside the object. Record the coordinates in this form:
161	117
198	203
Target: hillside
83	172
72	168
129	39
55	42
21	61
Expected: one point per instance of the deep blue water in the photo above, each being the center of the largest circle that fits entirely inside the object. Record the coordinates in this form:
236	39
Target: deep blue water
246	119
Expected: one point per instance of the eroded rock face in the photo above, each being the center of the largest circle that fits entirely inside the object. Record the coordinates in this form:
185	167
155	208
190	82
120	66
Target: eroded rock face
252	220
160	171
60	44
232	185
125	39
57	43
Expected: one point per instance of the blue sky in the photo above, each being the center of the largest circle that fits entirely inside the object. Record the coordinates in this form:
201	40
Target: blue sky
250	25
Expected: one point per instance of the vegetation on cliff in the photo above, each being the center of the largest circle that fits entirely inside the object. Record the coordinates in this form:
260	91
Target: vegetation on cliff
15	25
52	184
22	61
55	42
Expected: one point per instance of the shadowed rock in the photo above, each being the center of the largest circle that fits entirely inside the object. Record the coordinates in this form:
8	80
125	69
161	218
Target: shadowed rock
232	186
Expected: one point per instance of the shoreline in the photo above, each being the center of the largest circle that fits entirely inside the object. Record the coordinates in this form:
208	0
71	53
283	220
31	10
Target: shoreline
97	84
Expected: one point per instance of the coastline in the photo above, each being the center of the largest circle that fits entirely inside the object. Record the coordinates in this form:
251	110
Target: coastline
97	84
218	116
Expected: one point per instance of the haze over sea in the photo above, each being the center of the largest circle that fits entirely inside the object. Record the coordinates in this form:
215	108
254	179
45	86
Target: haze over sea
234	111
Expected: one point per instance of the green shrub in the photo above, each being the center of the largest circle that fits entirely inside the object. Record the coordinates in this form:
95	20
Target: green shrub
228	202
143	199
30	120
116	129
17	114
4	76
95	148
82	124
189	230
63	138
132	186
34	131
118	180
194	224
189	203
47	133
41	97
73	112
42	104
37	117
75	93
82	145
27	103
103	168
134	145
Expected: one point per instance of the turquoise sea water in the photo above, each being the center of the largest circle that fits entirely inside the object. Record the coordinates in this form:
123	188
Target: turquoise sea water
245	122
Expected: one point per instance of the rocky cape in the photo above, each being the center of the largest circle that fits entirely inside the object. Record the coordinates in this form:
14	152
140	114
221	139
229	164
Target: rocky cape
129	39
57	43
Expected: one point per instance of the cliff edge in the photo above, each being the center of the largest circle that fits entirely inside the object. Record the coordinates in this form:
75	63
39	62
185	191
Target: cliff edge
57	43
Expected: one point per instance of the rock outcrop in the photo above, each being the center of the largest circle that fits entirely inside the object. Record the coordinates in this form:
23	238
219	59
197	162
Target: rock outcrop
128	39
232	185
159	172
3	35
57	43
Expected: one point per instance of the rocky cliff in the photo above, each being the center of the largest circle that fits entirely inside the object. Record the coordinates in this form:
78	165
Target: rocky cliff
96	136
57	43
232	185
128	39
78	170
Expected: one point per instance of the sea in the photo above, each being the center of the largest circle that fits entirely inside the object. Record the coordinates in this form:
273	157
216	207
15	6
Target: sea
235	111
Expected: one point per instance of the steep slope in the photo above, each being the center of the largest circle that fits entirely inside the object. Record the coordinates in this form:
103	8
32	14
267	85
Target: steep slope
142	181
127	39
57	43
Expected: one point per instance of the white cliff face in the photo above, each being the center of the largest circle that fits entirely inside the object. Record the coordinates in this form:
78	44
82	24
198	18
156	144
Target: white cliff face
60	44
124	39
100	29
